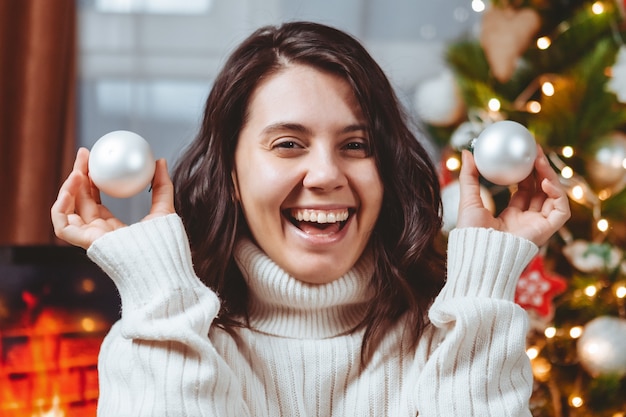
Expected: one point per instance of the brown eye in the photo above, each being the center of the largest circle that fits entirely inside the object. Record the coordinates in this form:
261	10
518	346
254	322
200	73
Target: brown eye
357	148
289	144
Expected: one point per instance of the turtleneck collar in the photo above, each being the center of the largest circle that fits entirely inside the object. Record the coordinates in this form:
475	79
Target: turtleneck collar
284	306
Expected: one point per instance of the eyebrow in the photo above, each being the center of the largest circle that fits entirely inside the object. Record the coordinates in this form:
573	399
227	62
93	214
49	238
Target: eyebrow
297	127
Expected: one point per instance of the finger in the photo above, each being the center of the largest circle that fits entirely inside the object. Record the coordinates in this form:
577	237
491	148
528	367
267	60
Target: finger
537	201
81	163
522	196
62	212
556	207
62	207
86	205
543	167
542	170
84	201
162	190
94	192
468	181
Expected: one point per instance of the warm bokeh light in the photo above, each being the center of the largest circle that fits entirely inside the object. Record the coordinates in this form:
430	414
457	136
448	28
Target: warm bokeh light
597	7
603	225
547	89
88	324
575	332
550	332
576	401
591	291
544	42
478	6
533	106
578	193
567	151
567	172
532	352
494	104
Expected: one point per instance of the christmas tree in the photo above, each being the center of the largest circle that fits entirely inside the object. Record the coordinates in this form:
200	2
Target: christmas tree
559	69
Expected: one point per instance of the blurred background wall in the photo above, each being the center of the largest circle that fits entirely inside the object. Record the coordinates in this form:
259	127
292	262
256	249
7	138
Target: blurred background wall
147	65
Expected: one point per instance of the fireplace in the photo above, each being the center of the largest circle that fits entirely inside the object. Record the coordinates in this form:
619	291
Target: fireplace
55	309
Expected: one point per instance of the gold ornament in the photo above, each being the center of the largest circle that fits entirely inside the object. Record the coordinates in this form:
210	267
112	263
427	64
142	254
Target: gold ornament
506	33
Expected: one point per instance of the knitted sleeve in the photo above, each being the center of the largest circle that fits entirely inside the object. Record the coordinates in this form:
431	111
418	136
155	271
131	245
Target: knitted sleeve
157	360
480	367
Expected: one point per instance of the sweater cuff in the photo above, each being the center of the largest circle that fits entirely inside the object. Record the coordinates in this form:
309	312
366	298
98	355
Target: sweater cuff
485	263
147	258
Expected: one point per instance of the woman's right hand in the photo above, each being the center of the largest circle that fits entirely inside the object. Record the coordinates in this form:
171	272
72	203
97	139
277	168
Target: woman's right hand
78	215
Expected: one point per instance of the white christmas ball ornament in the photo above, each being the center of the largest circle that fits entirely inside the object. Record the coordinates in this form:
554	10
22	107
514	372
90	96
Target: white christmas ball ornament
505	152
438	100
607	167
451	198
601	347
121	164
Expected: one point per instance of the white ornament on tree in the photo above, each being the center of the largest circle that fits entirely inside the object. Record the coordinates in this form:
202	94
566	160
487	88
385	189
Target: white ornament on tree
607	167
438	100
121	164
617	83
450	199
601	346
505	152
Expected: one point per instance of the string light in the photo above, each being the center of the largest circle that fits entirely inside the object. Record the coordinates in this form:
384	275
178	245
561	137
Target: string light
494	104
533	106
604	194
532	352
576	401
544	43
567	172
603	225
597	7
547	88
591	291
567	151
575	332
478	6
578	193
620	292
550	332
453	163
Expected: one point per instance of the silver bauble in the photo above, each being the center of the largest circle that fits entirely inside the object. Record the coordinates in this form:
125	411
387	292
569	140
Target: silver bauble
451	198
505	152
602	346
121	164
438	100
607	167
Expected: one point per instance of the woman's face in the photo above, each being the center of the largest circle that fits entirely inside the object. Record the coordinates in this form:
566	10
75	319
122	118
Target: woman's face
308	187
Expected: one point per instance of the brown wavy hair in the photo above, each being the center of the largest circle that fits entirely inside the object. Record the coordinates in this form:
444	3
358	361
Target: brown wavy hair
409	267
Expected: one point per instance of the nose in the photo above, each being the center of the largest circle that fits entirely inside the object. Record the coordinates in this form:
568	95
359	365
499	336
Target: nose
324	171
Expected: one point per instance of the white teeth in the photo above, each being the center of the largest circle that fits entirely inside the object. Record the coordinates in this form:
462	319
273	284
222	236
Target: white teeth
319	216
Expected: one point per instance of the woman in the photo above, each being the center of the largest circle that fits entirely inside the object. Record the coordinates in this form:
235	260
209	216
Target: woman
306	278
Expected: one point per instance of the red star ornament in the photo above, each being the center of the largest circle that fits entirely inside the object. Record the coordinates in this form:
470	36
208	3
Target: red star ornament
536	287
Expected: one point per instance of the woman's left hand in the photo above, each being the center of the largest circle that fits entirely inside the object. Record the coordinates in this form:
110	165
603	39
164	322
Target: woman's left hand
538	208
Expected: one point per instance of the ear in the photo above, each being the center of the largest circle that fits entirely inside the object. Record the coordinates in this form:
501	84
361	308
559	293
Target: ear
233	176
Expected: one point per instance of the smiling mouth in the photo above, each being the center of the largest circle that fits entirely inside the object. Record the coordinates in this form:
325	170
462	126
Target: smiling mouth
319	222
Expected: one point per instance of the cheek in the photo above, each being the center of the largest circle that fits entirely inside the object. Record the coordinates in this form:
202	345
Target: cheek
372	189
262	191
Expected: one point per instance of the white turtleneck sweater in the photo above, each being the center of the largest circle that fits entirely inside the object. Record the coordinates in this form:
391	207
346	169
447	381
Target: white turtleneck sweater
163	357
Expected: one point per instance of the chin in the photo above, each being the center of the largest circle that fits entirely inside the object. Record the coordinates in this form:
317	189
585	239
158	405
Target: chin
317	274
